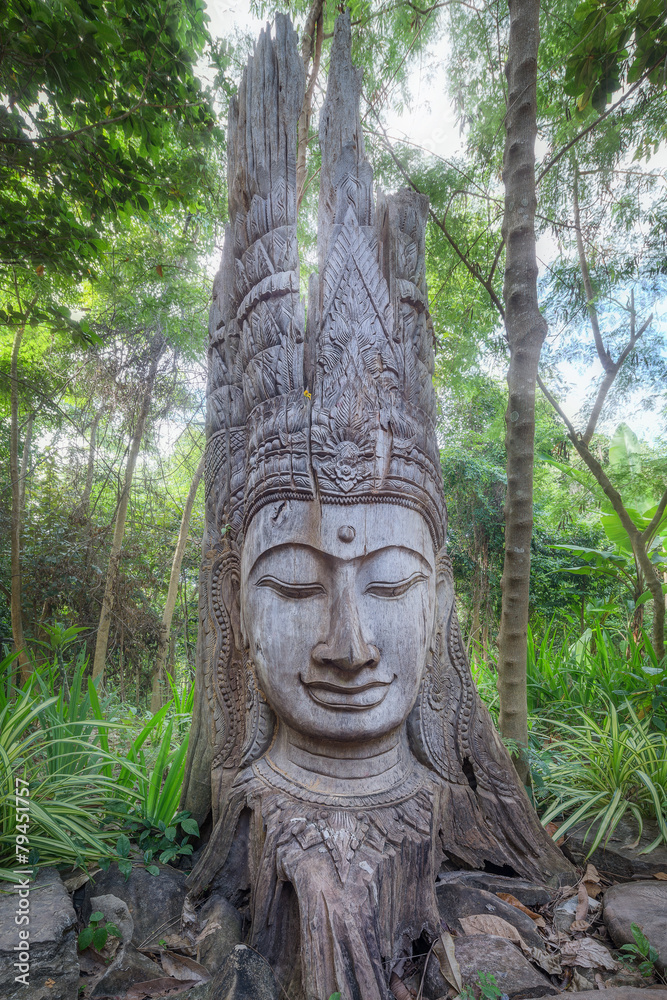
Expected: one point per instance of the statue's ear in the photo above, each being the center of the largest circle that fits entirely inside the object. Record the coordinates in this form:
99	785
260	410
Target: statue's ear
230	594
444	589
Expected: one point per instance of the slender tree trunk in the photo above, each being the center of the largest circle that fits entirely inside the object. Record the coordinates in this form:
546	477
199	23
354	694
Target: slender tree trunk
186	621
525	328
121	516
172	591
25	461
90	468
15	477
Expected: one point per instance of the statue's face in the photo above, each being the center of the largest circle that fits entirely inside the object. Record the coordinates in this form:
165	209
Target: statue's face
338	605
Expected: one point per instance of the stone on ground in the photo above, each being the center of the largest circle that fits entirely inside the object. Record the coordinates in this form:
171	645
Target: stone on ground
54	963
220	926
621	993
565	912
244	976
132	967
456	901
642	903
514	975
116	911
154	901
621	855
531	894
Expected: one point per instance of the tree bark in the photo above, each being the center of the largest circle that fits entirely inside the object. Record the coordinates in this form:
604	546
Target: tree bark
525	329
17	496
172	590
25	461
121	516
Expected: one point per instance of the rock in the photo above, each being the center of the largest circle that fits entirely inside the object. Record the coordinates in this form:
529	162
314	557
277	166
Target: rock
132	967
642	903
154	901
221	929
618	857
514	975
244	976
201	992
53	961
623	993
456	901
564	913
531	894
116	912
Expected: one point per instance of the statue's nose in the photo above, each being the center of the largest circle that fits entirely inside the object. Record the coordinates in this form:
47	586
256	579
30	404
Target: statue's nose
345	647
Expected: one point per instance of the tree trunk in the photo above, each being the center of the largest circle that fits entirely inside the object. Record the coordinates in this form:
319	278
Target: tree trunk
525	328
17	495
90	469
25	461
172	591
121	516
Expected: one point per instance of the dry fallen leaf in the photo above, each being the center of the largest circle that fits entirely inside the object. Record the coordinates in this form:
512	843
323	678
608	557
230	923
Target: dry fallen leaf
551	828
507	897
446	955
398	988
579	983
183	968
589	953
211	927
577	926
582	903
660	875
483	923
550	963
591	880
163	987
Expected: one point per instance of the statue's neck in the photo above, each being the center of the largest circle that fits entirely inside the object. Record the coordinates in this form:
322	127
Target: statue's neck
339	768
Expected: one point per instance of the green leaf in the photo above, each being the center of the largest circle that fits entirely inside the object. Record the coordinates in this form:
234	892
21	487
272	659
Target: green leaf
190	826
96	917
125	867
100	936
152	869
85	938
123	846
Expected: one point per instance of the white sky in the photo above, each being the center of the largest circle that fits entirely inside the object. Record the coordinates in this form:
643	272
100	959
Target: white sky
429	122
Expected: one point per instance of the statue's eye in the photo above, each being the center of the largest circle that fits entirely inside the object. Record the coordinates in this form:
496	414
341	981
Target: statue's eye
292	591
394	588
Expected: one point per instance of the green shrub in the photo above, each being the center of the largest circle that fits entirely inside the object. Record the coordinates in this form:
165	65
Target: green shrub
599	772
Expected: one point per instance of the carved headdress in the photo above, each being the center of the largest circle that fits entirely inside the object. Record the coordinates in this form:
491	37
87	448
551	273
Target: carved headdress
343	410
339	409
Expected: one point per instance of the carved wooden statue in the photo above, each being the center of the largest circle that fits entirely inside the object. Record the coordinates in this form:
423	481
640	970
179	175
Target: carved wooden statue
338	739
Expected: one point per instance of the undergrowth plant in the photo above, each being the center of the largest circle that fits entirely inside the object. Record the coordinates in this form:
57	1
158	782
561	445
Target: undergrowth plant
641	955
49	741
85	797
598	772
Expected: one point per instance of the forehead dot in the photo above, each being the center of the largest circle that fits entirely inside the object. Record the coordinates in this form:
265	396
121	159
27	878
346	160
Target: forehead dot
346	533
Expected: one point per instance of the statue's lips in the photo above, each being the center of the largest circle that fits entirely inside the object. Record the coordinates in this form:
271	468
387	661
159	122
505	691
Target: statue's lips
355	697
